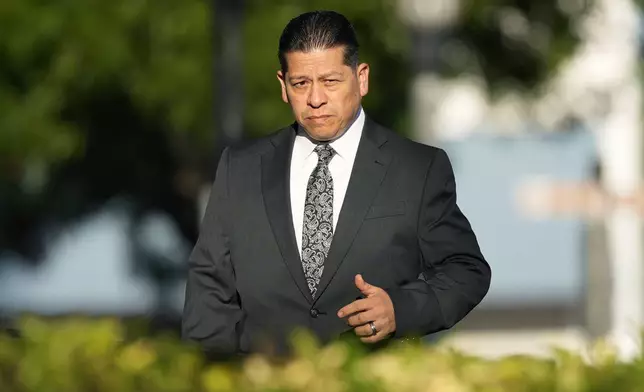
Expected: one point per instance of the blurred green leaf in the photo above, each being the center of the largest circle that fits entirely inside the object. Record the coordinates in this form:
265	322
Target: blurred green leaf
58	54
78	354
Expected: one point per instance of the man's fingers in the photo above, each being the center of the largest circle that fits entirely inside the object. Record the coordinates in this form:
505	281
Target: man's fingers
365	331
364	287
361	284
355	307
362	318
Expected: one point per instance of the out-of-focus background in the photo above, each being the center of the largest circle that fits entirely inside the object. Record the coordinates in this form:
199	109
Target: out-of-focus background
113	115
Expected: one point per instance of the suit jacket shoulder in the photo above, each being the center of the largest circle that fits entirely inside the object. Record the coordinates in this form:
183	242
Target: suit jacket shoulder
408	150
259	145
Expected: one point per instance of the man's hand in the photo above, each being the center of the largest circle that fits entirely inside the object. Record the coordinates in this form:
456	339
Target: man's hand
376	307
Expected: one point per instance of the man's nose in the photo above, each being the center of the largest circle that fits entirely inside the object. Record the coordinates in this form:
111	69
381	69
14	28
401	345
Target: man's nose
317	96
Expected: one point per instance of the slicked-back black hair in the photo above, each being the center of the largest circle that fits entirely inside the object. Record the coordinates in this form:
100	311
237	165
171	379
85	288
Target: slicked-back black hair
319	30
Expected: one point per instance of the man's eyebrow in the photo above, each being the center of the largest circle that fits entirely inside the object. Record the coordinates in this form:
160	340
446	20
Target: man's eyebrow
330	74
296	77
323	76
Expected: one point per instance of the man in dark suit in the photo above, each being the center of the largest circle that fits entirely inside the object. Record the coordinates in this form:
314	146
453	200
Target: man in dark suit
334	224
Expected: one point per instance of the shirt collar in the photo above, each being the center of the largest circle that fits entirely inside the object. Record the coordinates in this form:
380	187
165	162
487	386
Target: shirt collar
346	145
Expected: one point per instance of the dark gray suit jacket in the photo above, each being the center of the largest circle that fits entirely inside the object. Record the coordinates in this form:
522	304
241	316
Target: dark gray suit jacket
400	227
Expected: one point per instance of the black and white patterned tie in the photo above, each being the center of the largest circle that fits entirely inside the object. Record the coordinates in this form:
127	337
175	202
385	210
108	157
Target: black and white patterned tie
317	231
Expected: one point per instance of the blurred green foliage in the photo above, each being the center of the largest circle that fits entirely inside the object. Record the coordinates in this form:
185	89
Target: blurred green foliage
55	56
102	99
78	354
159	55
106	98
513	44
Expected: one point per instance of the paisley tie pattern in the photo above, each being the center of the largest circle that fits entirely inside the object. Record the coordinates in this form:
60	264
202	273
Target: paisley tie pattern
317	231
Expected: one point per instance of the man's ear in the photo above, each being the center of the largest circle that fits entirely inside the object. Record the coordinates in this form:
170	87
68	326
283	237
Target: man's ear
282	78
363	78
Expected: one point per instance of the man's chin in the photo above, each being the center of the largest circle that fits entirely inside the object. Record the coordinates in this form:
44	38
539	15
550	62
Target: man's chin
323	134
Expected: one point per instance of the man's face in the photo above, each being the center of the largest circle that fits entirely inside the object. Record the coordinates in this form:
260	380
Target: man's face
323	92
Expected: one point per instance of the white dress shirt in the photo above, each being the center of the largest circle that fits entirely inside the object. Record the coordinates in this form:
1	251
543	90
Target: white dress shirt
304	160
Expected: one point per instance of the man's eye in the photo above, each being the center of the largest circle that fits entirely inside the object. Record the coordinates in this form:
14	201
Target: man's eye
331	81
299	84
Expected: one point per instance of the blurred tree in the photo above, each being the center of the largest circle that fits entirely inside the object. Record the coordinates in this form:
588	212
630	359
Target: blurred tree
513	44
99	99
56	56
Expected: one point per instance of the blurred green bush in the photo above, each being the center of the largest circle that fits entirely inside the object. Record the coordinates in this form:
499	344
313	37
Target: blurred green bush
116	99
80	354
158	55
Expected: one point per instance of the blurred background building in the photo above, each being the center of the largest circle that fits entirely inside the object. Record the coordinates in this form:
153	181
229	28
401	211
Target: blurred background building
113	114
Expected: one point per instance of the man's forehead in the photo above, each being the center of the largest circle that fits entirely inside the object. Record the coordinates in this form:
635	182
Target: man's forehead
298	69
328	57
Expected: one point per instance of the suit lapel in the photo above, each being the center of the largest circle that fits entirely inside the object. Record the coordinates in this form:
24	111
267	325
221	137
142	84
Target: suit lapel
276	191
369	169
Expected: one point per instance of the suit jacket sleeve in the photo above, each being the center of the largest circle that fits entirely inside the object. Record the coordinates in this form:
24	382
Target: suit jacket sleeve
456	277
212	308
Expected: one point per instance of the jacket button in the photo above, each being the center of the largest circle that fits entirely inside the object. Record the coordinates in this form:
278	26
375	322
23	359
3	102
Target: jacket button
314	313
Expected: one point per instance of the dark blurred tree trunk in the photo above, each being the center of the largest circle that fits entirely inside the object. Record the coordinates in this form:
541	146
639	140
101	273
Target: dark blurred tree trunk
228	73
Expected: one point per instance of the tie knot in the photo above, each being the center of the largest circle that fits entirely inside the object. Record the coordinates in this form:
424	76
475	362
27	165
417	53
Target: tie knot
325	153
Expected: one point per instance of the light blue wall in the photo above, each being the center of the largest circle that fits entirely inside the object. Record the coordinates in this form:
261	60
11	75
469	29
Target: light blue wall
532	261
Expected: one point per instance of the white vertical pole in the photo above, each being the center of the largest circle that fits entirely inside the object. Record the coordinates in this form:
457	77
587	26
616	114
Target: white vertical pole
430	21
620	144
